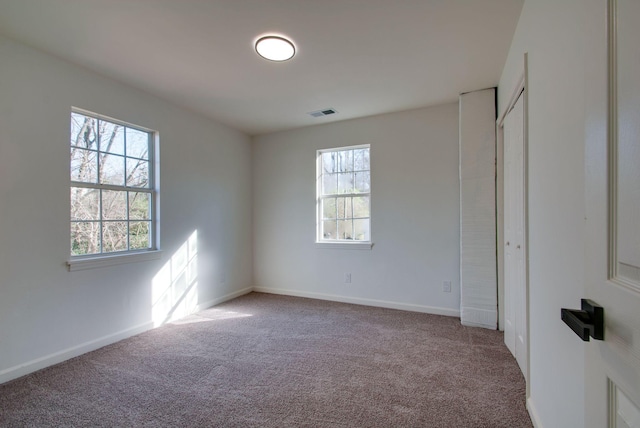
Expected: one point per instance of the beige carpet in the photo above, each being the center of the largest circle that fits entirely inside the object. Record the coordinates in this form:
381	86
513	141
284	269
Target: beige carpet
273	361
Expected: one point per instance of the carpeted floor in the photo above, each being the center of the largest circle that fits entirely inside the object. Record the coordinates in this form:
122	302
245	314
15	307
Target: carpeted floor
274	361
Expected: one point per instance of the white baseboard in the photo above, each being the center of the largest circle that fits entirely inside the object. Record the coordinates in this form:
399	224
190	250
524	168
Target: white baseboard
535	419
226	297
58	357
476	324
474	317
362	301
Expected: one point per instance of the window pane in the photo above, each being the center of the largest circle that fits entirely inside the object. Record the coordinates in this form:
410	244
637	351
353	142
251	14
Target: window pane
111	137
114	236
329	229
108	211
328	162
361	160
343	174
139	237
139	206
137	144
361	229
85	204
137	173
329	184
114	205
112	169
85	238
345	229
345	183
362	182
329	208
361	206
344	208
84	165
83	131
345	161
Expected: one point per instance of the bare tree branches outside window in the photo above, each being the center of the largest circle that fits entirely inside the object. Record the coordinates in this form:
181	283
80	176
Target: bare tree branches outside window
344	194
111	187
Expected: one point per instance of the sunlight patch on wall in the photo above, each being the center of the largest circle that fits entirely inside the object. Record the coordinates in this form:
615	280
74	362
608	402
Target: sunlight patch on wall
175	286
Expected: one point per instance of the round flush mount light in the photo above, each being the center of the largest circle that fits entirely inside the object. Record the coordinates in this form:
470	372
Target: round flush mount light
275	48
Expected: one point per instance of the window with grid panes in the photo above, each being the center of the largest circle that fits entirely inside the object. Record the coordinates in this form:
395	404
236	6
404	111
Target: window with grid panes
112	186
344	195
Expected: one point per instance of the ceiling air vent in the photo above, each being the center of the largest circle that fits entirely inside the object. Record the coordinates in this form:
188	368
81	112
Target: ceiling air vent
320	113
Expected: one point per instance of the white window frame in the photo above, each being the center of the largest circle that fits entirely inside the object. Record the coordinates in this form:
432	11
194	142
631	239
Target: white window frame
343	244
102	259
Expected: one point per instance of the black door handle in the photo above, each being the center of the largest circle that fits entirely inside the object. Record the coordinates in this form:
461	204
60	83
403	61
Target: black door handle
588	322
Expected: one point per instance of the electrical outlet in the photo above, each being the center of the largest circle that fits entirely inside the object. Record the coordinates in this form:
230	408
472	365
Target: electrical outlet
446	286
347	278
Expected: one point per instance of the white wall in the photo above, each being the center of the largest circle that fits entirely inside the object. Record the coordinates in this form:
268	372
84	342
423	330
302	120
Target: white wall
48	313
415	213
553	33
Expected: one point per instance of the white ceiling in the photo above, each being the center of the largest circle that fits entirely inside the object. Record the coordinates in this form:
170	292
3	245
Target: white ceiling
360	57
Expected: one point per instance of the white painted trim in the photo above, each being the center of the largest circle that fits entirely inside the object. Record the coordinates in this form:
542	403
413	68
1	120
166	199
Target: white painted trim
58	357
612	404
615	277
500	222
525	94
612	137
479	325
226	297
361	301
533	413
112	260
516	90
521	88
515	94
344	245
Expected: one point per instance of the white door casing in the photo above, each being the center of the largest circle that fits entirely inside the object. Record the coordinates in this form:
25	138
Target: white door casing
612	221
515	235
509	307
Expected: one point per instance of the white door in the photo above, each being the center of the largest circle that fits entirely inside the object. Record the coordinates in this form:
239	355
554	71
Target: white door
515	296
612	264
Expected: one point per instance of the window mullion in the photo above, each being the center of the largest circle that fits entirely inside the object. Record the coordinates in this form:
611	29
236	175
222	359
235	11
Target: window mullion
98	146
101	224
111	187
345	195
124	150
353	229
128	220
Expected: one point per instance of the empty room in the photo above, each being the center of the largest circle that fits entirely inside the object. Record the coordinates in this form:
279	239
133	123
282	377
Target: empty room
280	213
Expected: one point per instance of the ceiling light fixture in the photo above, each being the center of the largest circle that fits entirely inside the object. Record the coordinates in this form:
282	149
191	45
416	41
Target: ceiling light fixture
275	48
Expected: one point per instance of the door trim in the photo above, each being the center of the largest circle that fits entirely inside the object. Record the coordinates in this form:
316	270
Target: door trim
614	278
521	87
612	151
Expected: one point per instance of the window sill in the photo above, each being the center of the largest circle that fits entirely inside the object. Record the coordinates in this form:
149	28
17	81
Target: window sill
111	260
345	245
